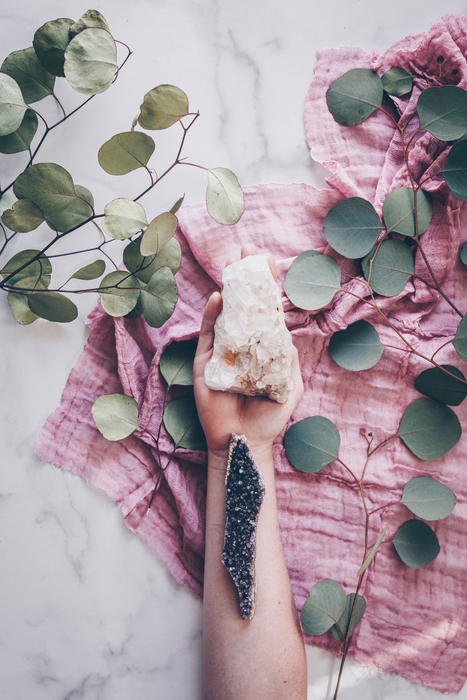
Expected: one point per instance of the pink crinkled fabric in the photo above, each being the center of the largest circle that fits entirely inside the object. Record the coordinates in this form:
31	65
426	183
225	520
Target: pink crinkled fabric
416	620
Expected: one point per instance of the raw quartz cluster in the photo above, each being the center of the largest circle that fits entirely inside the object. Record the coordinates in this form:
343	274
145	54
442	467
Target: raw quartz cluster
252	346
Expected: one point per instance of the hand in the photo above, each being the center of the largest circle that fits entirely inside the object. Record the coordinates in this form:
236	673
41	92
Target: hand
223	413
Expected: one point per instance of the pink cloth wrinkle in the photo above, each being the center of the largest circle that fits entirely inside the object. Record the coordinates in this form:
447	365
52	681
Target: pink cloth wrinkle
416	620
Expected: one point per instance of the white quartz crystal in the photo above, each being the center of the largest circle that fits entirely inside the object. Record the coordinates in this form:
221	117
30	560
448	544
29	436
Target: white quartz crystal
252	346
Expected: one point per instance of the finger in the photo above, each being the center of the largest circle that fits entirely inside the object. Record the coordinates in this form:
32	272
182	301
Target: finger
296	376
206	333
230	261
272	265
248	249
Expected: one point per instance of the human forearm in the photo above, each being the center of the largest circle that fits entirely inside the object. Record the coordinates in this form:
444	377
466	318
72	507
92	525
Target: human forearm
264	657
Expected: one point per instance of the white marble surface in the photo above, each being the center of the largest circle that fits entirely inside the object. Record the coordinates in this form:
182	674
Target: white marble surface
86	610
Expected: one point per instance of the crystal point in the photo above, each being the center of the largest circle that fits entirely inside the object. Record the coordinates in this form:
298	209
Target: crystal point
252	346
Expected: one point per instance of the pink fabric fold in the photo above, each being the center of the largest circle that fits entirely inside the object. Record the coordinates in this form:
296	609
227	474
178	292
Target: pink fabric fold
416	620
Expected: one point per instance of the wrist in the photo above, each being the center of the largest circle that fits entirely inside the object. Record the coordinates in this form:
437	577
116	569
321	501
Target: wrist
262	454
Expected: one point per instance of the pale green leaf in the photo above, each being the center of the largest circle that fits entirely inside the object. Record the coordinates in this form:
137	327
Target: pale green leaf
78	210
119	292
224	196
52	306
176	363
90	272
182	423
115	416
344	625
34	80
399	211
397	81
91	61
12	105
23	217
163	106
126	152
90	19
372	553
312	443
159	297
428	498
123	218
158	233
20	140
323	607
48	185
312	283
390	269
50	42
6	202
170	256
429	429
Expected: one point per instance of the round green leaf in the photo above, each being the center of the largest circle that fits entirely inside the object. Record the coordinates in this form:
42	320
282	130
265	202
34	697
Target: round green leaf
126	152
159	297
460	340
48	185
6	202
52	306
115	416
397	81
50	42
312	443
428	499
12	105
354	96
443	112
77	211
19	307
20	140
305	254
182	423
352	226
441	386
391	268
372	553
416	544
90	19
464	253
34	80
455	170
163	106
399	211
23	217
345	626
312	283
429	429
323	607
137	311
39	269
170	255
90	272
176	363
119	300
123	218
224	196
357	347
174	209
158	233
91	61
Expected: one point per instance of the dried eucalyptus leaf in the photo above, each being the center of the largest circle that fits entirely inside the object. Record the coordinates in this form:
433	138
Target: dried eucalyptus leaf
23	217
6	202
12	105
163	106
224	196
90	19
119	300
176	363
158	233
159	297
20	140
91	61
126	152
182	423
50	42
40	269
77	211
34	80
52	306
48	185
91	271
170	256
115	416
123	218
19	307
174	209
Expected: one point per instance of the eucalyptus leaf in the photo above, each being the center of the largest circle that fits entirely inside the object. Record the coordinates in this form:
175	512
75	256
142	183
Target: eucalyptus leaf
224	196
90	19
80	209
137	310
126	152
20	140
416	544
440	386
176	363
27	285
357	347
90	272
323	607
174	209
19	307
455	170
182	424
50	42
460	340
443	112
91	61
115	416
397	81
48	185
391	268
119	300
354	96
463	253
312	283
159	297
429	429
399	211
158	233
170	256
12	105
163	106
344	625
312	443
52	306
6	202
40	268
428	499
123	218
305	254
372	553
34	80
23	217
352	227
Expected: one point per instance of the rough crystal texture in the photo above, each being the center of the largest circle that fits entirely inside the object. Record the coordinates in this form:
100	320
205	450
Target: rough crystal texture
244	496
252	346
